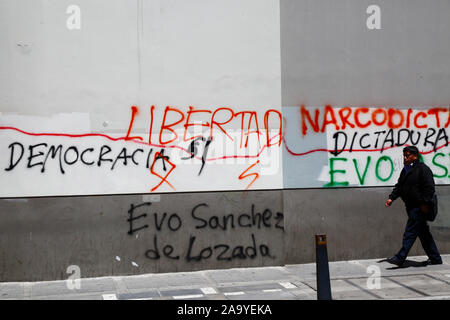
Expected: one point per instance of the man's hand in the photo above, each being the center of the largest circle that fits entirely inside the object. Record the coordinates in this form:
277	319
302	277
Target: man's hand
388	202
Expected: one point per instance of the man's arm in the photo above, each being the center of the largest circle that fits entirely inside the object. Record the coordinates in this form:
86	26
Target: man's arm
394	194
427	188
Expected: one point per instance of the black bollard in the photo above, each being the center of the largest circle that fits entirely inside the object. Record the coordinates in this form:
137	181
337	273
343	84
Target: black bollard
322	271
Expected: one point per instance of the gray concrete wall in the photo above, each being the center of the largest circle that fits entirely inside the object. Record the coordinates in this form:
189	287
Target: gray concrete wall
356	223
41	237
329	56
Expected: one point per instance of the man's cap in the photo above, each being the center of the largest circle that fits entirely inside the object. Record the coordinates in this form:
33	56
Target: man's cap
411	149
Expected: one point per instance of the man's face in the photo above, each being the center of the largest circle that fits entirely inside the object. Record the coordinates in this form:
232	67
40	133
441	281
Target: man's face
408	158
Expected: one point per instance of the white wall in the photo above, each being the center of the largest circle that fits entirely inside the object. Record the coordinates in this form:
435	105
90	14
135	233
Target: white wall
205	54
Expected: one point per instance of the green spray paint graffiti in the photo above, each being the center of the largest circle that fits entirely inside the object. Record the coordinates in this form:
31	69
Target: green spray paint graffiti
383	169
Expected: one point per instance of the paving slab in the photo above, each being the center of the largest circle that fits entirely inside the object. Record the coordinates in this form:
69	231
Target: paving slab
248	275
446	259
445	277
11	291
302	284
346	269
163	298
139	295
216	297
281	295
255	287
61	287
423	283
304	294
339	269
353	295
72	297
165	280
388	289
50	288
302	271
199	298
342	289
180	292
97	285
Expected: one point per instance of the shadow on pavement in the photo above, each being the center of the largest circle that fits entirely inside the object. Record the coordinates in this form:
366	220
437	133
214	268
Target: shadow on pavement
407	264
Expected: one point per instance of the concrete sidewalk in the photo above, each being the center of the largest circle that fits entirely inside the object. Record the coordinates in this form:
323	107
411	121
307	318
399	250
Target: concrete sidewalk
358	279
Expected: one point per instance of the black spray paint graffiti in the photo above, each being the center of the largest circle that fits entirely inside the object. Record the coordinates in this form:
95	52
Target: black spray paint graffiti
202	219
194	150
432	138
41	155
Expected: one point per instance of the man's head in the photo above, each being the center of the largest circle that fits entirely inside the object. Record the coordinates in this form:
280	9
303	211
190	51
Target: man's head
410	154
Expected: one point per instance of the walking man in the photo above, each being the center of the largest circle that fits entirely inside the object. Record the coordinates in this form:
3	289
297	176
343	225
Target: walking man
416	188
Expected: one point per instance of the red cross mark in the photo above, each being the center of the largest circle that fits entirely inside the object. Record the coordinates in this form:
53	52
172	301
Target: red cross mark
160	155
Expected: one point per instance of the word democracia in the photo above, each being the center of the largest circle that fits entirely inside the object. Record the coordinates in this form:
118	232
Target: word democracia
38	155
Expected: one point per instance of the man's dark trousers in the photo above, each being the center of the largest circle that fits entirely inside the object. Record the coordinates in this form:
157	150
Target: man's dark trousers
417	227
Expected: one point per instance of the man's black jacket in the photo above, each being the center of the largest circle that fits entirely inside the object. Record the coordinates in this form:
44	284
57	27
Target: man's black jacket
415	187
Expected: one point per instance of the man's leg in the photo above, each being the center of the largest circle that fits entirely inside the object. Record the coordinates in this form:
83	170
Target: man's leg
428	243
410	234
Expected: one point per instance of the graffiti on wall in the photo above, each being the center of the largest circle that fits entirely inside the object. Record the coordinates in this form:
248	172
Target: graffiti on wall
172	153
200	226
364	144
188	149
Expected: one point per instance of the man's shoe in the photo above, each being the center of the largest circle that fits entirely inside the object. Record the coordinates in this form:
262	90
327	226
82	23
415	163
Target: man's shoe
429	261
395	260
